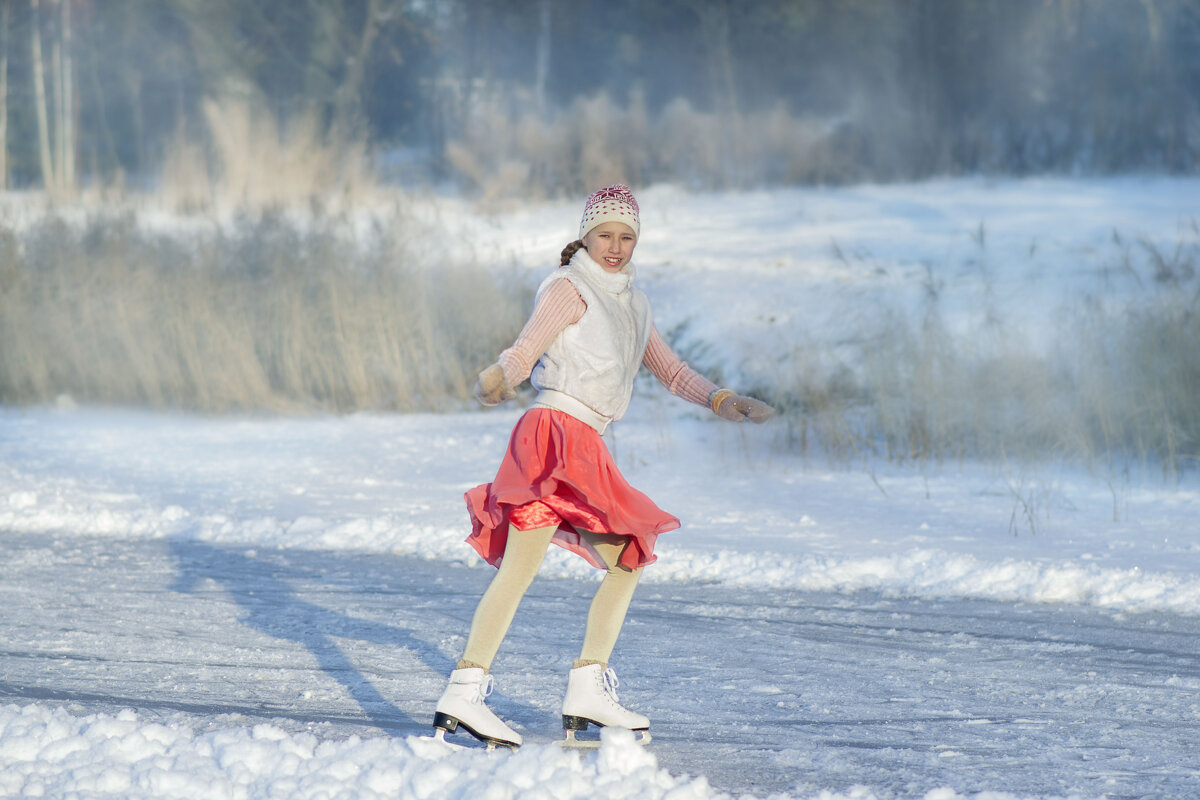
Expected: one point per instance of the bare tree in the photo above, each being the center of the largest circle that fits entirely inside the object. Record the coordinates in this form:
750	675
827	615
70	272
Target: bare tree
5	14
542	70
39	95
66	109
348	117
716	33
57	101
715	23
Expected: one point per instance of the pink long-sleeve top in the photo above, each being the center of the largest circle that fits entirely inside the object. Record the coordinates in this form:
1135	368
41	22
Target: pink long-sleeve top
559	306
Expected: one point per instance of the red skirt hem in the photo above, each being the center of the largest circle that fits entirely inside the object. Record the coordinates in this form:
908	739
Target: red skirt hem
555	458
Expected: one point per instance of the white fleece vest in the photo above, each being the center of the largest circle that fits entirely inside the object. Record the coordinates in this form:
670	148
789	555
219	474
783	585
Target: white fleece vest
588	370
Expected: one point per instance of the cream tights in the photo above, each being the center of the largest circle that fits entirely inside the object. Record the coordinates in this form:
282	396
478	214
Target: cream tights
523	556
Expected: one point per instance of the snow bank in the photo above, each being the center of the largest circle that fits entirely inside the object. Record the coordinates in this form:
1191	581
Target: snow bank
938	574
897	571
50	753
394	485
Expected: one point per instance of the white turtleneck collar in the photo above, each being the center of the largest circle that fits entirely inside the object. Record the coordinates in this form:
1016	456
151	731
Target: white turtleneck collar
612	282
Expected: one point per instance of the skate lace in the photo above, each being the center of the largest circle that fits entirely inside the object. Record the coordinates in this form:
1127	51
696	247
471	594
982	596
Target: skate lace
485	688
611	683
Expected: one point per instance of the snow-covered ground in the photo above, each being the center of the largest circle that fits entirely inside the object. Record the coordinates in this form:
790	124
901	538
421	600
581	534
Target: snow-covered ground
252	607
755	277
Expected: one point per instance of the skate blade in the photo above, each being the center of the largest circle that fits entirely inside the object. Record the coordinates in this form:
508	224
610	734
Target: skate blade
578	744
439	735
574	743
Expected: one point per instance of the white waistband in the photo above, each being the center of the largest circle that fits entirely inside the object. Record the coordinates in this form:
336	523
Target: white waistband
549	398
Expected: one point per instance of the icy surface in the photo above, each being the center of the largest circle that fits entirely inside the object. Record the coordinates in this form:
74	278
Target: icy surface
177	668
241	607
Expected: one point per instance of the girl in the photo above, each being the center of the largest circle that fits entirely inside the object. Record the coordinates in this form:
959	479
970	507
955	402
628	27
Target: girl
590	331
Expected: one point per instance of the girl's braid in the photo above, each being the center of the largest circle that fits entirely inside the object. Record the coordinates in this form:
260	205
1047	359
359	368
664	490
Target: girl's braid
569	251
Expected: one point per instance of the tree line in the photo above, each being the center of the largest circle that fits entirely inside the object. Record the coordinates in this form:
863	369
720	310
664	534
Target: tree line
98	90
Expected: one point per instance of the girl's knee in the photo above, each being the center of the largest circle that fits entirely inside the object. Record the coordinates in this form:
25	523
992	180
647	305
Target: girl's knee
618	573
524	553
519	574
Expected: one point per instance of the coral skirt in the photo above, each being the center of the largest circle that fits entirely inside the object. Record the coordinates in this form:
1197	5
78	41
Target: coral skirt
557	470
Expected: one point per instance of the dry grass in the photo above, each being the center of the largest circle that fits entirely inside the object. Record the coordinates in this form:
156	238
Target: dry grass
507	150
250	163
267	316
269	296
1121	386
270	314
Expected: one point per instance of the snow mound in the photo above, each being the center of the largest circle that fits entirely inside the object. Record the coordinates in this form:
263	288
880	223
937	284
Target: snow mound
50	753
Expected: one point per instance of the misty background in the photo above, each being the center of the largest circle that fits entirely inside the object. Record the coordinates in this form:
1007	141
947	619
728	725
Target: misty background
231	206
525	95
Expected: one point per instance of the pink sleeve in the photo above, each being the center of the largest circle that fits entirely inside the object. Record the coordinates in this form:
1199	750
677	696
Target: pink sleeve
678	377
559	306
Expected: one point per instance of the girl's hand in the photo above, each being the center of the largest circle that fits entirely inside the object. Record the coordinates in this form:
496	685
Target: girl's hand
736	408
492	389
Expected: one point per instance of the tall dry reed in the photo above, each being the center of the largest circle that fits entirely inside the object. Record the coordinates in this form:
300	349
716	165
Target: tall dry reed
1119	386
272	314
247	161
266	315
507	149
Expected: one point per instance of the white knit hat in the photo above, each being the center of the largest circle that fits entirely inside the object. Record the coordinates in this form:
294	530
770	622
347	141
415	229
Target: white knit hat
614	203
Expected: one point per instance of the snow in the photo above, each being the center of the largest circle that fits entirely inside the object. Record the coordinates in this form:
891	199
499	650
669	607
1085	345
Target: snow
809	268
50	753
393	484
262	607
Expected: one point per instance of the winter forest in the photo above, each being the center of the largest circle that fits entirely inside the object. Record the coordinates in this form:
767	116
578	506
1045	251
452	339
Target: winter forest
494	96
255	253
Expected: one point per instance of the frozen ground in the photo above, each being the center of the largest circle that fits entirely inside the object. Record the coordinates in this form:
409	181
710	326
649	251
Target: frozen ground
240	607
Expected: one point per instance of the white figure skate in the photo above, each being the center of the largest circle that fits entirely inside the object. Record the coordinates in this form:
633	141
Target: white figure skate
463	704
592	699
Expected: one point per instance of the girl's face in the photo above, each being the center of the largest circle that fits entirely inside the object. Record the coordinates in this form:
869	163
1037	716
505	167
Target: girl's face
611	245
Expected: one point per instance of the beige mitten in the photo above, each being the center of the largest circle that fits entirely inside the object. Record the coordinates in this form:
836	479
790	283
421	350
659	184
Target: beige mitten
736	408
492	389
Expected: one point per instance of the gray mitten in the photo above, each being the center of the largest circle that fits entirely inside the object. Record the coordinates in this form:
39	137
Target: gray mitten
736	408
492	389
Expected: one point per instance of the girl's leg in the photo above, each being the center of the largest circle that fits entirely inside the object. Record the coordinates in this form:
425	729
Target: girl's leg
523	555
611	602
